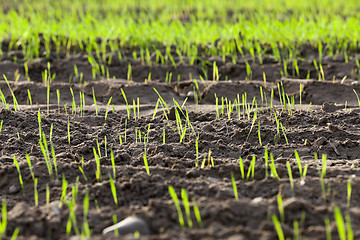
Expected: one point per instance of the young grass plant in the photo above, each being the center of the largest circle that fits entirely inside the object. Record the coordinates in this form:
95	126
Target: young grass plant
349	190
278	227
20	177
146	163
30	167
290	177
85	229
251	169
36	197
185	199
3	221
98	170
340	224
113	190
197	213
234	186
177	205
273	167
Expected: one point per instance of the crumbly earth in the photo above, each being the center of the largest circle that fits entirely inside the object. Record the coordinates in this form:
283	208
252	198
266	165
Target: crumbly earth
329	125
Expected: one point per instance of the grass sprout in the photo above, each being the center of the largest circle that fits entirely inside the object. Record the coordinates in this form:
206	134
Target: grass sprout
3	221
234	186
278	227
340	224
185	199
177	205
20	177
113	190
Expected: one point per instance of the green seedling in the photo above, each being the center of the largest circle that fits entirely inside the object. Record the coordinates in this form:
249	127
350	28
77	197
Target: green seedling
340	224
54	159
273	167
98	147
350	234
51	132
16	105
3	221
290	177
146	163
71	220
36	197
39	121
259	134
47	194
116	231
98	171
82	172
48	96
127	104
177	206
281	208
29	98
113	190
30	167
234	186
74	190
242	170
349	189
105	146
113	163
95	104
296	230
73	103
85	230
266	158
20	177
163	103
15	234
327	228
278	227
64	190
185	199
107	108
58	98
251	169
357	96
197	213
323	170
68	131
252	125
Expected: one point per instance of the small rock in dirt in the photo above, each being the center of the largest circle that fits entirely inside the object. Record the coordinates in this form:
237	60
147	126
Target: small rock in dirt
323	120
192	173
333	128
57	183
14	189
257	200
190	94
207	128
330	107
320	141
129	225
348	143
354	83
236	237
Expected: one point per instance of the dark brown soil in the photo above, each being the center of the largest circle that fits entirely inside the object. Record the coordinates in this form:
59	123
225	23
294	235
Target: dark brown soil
329	125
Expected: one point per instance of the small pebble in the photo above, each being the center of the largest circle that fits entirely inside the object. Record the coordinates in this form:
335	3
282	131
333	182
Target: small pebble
14	189
129	225
190	94
57	183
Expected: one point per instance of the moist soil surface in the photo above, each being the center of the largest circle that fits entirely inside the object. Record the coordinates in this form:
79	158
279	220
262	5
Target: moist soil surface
326	121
